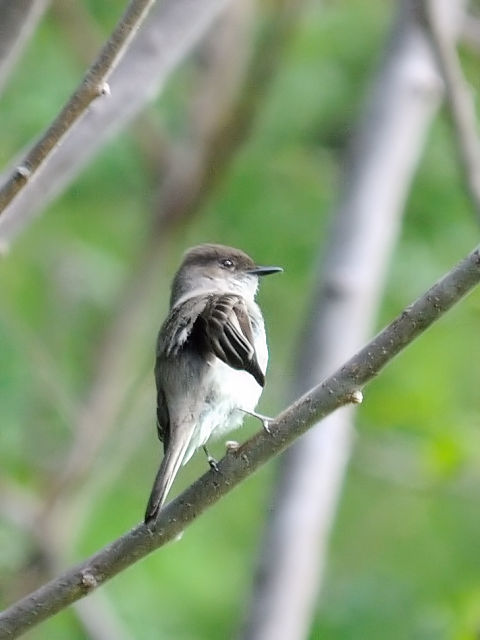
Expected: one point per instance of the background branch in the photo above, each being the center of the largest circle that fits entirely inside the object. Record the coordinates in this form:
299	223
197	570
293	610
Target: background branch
339	389
84	35
170	32
366	223
459	99
99	619
17	23
92	86
471	30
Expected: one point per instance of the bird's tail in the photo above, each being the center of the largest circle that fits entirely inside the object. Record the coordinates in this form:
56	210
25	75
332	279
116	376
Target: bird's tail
174	455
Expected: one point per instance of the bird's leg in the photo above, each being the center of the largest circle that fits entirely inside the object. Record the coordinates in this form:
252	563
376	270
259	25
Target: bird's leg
263	419
211	460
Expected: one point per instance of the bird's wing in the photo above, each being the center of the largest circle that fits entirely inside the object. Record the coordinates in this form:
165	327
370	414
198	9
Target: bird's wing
229	334
163	418
173	336
179	325
220	326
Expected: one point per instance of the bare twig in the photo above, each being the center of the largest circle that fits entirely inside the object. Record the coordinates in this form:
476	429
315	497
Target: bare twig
170	32
341	388
93	85
459	98
17	22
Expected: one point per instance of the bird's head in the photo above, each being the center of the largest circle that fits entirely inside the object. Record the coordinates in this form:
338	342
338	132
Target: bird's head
216	268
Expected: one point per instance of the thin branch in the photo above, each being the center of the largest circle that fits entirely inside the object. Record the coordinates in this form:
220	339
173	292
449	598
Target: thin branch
17	23
341	388
459	98
93	85
170	32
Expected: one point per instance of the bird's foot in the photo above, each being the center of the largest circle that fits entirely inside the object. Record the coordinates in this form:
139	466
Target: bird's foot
213	463
211	460
265	420
266	424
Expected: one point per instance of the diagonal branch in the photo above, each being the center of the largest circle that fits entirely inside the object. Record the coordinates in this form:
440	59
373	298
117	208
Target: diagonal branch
339	389
470	30
168	35
92	86
459	99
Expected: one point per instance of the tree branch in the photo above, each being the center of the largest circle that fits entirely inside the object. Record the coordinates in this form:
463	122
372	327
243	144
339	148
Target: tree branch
92	86
459	98
470	33
341	388
168	35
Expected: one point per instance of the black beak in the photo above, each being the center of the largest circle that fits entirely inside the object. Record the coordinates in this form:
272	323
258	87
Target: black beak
264	271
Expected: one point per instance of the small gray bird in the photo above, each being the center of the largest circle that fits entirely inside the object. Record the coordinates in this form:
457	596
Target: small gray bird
211	357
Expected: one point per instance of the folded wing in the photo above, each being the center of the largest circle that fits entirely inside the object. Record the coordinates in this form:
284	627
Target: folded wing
229	334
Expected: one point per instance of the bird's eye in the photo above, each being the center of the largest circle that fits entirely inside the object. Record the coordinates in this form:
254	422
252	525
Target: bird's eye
227	263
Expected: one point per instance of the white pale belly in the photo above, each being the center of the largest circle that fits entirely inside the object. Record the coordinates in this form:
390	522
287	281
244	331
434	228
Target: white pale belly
230	391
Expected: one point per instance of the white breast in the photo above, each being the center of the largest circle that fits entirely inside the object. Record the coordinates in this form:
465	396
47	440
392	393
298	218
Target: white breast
229	391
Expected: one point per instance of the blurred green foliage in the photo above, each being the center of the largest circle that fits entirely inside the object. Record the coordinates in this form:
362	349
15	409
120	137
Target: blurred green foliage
404	561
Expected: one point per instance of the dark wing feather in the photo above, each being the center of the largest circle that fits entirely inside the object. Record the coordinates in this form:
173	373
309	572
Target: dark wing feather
229	334
178	326
163	418
173	336
220	325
